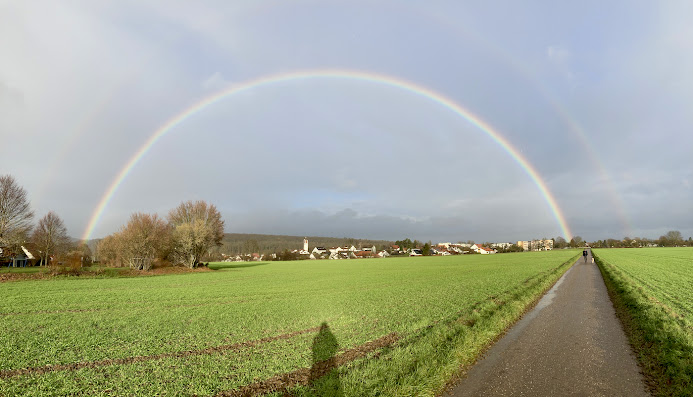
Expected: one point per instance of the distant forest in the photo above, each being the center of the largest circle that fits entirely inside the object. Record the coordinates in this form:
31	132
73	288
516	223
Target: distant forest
240	243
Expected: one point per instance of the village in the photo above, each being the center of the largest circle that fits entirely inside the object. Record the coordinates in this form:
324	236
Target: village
351	252
29	254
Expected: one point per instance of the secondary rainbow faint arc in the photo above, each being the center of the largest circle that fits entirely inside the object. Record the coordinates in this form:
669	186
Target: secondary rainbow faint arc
340	74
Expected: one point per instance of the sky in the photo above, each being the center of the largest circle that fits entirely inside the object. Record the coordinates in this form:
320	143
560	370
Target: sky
595	97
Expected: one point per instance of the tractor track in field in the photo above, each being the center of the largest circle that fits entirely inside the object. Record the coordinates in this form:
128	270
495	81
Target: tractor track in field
303	376
51	312
9	373
227	302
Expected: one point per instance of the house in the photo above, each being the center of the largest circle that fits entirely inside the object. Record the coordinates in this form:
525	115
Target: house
536	245
22	257
342	249
383	254
484	250
319	250
370	249
480	249
457	250
501	245
342	255
415	252
363	254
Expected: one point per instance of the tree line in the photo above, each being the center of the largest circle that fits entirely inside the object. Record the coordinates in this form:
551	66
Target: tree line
183	238
16	227
672	238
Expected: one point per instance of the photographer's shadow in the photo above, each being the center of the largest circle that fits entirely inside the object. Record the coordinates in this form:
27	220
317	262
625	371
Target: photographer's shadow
324	373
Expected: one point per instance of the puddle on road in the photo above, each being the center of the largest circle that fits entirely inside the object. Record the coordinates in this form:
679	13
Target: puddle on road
548	298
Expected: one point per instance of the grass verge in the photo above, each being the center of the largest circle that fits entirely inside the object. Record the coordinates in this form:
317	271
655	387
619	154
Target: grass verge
663	345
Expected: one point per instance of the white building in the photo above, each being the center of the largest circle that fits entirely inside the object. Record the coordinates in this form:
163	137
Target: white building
502	245
478	248
536	245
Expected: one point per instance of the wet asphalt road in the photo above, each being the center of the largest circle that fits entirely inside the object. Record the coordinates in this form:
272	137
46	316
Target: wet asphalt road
571	344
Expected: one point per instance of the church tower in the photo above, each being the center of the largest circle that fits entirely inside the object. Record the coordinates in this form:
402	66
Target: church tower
305	244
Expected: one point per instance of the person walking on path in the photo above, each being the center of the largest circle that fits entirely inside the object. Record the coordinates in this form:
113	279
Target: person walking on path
584	255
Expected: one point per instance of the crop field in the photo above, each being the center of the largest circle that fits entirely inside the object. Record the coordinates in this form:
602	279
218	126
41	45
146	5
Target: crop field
398	326
652	289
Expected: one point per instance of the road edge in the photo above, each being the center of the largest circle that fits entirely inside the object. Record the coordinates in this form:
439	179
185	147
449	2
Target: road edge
462	372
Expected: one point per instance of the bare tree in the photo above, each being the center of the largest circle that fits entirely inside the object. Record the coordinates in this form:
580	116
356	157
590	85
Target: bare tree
196	227
143	239
559	242
15	212
674	237
108	250
250	246
85	250
50	236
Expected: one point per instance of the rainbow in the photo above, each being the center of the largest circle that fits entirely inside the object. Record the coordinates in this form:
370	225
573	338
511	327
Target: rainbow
529	74
331	73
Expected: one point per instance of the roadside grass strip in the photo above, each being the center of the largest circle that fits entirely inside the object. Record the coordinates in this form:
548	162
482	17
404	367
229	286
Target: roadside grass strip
401	326
652	290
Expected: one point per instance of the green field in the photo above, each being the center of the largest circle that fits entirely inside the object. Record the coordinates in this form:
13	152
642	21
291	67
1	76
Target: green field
399	326
652	289
31	269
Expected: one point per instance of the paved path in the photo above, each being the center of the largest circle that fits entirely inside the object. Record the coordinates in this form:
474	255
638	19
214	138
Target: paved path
571	344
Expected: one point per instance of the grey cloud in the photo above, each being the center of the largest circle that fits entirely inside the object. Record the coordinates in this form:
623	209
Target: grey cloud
95	80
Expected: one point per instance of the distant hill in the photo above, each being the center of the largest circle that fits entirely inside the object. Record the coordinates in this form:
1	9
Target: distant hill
240	243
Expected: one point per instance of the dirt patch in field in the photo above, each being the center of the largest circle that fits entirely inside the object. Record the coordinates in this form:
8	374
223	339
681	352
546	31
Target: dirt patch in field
51	312
45	274
168	270
303	376
136	359
5	277
211	303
